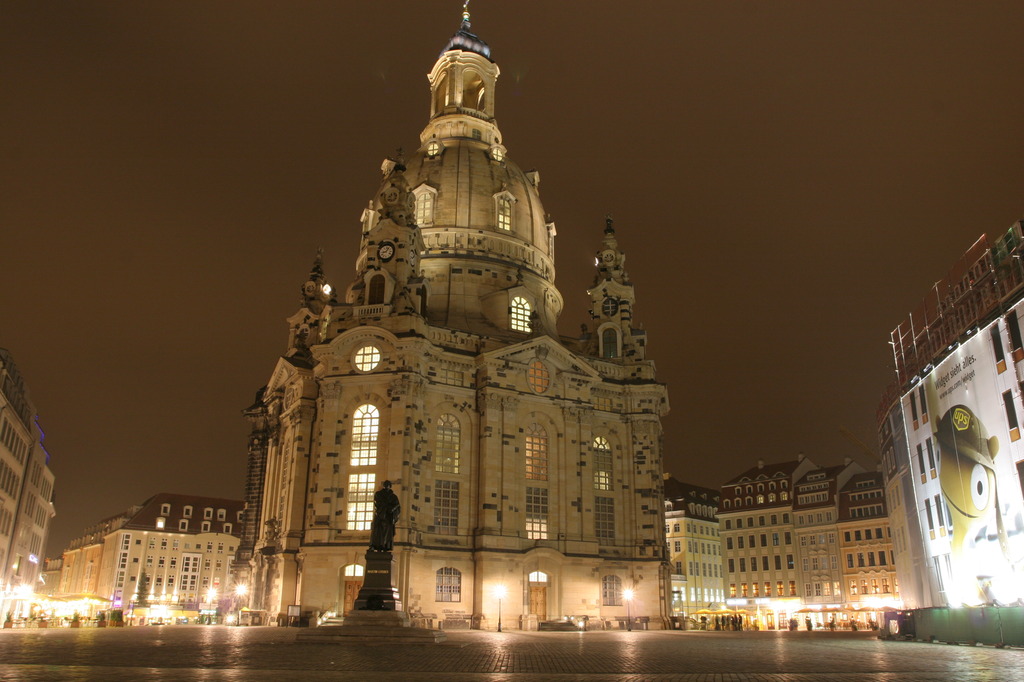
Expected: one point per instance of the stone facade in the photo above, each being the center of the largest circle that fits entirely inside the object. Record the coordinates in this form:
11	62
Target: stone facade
26	491
527	464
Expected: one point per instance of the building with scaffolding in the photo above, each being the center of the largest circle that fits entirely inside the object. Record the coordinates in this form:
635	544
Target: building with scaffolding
950	434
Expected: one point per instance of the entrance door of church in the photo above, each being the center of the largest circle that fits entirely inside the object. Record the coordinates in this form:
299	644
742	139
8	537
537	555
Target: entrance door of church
352	588
539	601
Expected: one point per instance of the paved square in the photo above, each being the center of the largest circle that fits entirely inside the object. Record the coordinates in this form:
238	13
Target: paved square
192	652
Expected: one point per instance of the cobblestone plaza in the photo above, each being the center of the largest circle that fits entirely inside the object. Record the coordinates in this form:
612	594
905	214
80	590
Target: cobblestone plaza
259	654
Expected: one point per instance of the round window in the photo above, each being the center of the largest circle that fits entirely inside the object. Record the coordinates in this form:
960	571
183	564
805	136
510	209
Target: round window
367	358
433	148
538	376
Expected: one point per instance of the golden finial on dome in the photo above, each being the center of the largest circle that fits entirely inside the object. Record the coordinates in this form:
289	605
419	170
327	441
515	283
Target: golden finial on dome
465	11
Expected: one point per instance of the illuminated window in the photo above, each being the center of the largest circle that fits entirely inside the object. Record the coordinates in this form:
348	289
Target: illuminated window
538	577
353	571
609	343
433	148
538	376
160	522
425	208
536	453
497	153
602	464
360	501
367	358
504	213
520	314
611	590
536	513
449	437
449	585
365	426
446	507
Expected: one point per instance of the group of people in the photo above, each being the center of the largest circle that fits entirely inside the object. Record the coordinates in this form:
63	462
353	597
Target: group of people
728	622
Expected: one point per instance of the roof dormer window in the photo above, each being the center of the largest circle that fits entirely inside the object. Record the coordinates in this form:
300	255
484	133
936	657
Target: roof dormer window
519	314
503	202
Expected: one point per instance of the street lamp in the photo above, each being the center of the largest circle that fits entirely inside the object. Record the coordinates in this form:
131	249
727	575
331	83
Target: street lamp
240	592
211	596
499	592
627	594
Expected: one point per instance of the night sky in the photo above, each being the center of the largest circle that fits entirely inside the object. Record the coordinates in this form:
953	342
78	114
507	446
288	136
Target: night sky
787	178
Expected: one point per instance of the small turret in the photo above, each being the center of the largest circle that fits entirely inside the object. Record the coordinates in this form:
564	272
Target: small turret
611	303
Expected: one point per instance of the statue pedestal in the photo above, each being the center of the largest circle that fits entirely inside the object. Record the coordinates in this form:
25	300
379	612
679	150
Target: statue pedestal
377	615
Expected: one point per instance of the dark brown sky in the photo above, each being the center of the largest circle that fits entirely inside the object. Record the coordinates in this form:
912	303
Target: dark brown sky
787	178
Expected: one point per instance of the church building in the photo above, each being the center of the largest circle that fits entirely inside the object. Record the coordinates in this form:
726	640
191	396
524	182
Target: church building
528	465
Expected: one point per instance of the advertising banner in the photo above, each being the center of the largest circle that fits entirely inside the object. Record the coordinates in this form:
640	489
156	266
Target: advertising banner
964	436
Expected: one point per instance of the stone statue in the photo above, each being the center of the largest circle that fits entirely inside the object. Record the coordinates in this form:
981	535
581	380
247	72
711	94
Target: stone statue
386	509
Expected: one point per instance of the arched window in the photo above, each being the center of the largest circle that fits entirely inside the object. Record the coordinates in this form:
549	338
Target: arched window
611	590
449	585
783	496
365	427
536	452
520	314
538	577
353	571
760	499
449	442
504	213
425	208
771	497
441	94
474	93
728	503
609	343
375	292
602	464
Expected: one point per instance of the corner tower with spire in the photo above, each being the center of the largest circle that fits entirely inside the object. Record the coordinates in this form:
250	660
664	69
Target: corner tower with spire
521	458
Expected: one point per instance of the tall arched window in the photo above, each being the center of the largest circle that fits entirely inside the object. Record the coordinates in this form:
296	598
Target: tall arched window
473	90
375	292
504	214
520	314
449	441
611	590
449	585
441	94
536	452
365	428
425	208
602	464
609	343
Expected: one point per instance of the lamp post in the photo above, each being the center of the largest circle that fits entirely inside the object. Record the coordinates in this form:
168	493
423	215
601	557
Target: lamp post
499	592
240	592
211	596
627	594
